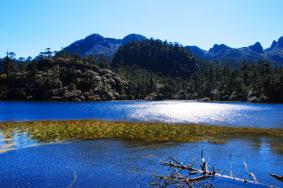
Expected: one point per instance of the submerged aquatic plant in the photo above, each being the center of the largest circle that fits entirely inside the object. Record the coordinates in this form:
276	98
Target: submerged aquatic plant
50	131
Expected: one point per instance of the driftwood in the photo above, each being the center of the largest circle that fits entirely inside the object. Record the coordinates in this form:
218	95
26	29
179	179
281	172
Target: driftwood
188	175
279	178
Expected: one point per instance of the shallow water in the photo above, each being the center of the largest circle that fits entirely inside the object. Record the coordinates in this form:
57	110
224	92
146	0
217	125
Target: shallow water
113	163
216	113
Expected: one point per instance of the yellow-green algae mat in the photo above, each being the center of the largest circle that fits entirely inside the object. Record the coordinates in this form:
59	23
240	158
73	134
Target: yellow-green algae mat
50	131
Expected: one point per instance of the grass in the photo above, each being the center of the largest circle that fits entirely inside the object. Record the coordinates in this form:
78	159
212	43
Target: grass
49	131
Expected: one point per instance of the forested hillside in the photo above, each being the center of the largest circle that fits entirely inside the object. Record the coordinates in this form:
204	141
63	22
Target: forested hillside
59	78
161	70
147	69
157	56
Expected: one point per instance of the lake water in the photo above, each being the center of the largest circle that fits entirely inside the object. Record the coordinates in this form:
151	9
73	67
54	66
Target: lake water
25	162
113	163
216	113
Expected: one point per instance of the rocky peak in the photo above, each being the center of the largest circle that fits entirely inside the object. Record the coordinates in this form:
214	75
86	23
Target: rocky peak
274	43
217	48
280	42
256	47
277	45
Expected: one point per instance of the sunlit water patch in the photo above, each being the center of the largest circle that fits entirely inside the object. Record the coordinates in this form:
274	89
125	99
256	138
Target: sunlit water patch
193	112
216	113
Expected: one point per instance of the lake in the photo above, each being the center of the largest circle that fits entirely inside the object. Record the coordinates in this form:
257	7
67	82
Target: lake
114	163
215	113
26	162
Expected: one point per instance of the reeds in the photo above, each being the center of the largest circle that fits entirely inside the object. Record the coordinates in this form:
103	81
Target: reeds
148	132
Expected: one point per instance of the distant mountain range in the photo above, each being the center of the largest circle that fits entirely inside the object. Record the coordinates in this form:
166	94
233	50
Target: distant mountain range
252	53
95	44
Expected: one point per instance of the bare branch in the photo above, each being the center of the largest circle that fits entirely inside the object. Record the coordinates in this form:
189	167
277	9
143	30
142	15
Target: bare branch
249	173
187	175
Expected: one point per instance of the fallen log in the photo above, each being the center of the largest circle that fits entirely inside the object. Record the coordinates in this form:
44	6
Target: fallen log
205	173
188	175
279	178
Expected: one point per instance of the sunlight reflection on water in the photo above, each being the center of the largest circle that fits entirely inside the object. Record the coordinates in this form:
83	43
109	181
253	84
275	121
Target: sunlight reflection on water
193	112
216	113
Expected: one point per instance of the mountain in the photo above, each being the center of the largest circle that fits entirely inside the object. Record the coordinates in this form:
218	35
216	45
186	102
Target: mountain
198	52
133	38
227	54
275	52
95	44
256	48
252	53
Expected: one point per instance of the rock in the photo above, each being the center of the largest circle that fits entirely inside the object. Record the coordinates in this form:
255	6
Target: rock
111	82
253	99
93	98
56	98
154	96
97	78
263	98
233	96
73	94
29	97
206	99
82	97
77	100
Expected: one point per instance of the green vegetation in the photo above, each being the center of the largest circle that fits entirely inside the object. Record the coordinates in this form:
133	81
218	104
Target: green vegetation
157	56
158	70
148	69
49	131
64	77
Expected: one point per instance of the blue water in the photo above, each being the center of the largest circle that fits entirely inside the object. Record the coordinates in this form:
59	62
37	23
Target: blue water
112	163
25	162
216	113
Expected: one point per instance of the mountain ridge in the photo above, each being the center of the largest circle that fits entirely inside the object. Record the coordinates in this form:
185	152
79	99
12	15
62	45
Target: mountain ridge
96	44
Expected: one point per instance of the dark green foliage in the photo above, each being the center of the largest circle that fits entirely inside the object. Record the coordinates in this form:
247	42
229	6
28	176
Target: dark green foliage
61	78
102	62
148	69
157	56
256	82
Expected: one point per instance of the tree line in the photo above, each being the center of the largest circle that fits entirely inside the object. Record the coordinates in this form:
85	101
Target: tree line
162	70
149	69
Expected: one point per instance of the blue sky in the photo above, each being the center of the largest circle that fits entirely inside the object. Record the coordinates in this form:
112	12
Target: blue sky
29	26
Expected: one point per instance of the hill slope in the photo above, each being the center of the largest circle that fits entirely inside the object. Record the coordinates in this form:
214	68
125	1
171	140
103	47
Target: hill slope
95	45
157	56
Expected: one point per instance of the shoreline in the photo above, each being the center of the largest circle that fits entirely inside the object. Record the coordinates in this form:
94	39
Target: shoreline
148	100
